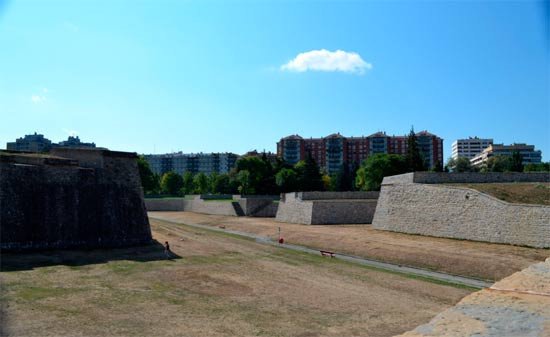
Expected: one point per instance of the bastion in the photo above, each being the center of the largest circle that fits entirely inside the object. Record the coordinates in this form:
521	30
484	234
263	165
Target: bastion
324	208
421	203
71	198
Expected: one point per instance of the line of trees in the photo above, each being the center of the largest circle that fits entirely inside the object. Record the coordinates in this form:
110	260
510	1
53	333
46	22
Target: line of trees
251	175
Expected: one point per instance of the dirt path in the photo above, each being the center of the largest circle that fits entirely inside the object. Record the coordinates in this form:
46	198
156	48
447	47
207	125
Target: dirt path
457	257
216	285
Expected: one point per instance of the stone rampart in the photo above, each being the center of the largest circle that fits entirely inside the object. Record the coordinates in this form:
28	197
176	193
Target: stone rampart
294	210
467	177
214	207
258	206
58	202
323	208
164	204
263	206
337	195
460	213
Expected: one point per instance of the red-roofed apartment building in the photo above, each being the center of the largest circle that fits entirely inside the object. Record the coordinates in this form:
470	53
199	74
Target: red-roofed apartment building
333	151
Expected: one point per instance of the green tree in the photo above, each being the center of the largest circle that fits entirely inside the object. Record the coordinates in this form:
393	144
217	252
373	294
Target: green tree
149	180
171	183
309	175
438	167
188	185
287	180
200	181
373	170
516	164
245	181
499	163
343	180
541	167
220	184
414	160
327	182
260	178
460	164
267	184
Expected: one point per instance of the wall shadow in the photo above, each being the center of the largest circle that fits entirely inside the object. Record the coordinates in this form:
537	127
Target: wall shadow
17	261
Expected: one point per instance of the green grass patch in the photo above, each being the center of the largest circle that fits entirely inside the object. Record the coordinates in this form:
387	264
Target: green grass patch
229	257
125	267
32	293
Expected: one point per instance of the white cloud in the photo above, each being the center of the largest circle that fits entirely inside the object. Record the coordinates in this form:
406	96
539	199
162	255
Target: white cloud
71	133
71	27
40	97
326	60
37	99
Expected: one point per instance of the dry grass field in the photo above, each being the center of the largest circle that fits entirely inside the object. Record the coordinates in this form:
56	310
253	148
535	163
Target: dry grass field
215	284
522	193
459	257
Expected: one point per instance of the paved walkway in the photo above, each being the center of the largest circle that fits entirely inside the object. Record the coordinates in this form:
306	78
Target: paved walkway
354	259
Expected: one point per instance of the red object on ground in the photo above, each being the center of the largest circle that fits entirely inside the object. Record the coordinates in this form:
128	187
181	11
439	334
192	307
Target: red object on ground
281	240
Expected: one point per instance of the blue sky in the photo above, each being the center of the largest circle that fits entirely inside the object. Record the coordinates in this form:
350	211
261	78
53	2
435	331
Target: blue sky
162	76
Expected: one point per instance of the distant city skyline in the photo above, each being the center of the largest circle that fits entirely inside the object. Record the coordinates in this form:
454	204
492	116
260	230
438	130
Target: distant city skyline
211	76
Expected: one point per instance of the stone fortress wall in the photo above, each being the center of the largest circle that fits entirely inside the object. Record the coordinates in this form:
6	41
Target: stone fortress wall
71	198
322	208
468	177
236	205
417	203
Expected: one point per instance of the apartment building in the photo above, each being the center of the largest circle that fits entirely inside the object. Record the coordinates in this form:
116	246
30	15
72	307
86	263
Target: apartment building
73	142
30	143
334	151
39	143
528	153
470	147
180	163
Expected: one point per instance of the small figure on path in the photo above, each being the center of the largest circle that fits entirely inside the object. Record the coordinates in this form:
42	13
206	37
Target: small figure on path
167	251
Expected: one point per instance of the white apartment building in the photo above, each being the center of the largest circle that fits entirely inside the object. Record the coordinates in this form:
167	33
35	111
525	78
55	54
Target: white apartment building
470	147
528	153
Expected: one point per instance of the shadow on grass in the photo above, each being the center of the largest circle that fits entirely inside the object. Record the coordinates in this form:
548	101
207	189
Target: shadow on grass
73	257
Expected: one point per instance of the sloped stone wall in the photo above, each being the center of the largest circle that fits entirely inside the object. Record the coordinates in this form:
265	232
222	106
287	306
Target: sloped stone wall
294	210
460	213
258	206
